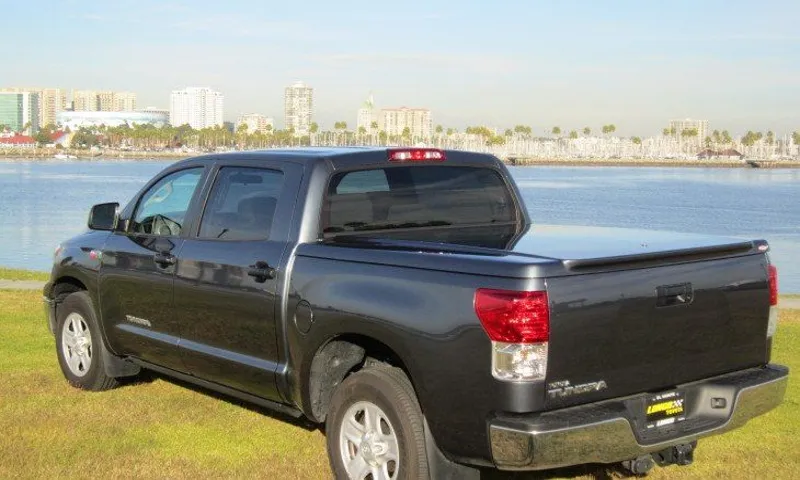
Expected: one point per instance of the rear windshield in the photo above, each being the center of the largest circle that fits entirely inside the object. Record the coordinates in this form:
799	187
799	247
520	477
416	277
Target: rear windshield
414	197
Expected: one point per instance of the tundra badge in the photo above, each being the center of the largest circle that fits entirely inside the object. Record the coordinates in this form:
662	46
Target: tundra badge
563	388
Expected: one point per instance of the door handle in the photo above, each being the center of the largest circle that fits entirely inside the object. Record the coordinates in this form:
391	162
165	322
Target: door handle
164	259
671	295
261	271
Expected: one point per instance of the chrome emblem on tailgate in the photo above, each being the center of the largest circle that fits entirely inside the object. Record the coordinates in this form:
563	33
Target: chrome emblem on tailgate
563	388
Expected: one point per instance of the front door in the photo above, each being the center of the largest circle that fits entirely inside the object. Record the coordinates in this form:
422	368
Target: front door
227	275
137	272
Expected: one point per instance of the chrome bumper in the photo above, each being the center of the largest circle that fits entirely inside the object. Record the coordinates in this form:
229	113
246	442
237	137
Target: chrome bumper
604	433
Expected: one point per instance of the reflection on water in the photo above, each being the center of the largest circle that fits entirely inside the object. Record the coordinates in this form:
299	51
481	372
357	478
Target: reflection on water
42	203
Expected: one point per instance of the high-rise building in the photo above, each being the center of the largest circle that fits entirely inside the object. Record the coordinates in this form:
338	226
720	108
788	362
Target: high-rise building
19	112
255	122
124	102
366	115
688	124
394	121
85	101
51	102
105	101
298	107
200	107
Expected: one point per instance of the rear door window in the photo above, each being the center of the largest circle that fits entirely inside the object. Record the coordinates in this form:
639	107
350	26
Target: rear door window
242	204
413	197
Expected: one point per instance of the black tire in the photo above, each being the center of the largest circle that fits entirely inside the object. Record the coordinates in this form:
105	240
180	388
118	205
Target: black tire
94	377
390	390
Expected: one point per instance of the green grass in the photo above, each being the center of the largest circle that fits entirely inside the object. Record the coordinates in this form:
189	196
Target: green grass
160	429
16	274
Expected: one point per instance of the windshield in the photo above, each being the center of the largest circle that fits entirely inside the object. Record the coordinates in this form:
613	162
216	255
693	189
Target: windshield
414	197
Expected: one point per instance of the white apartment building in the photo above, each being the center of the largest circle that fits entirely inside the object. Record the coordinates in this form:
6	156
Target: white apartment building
255	122
200	107
366	115
395	120
298	107
688	123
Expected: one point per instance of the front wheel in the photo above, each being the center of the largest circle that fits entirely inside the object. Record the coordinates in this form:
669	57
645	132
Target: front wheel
375	428
79	344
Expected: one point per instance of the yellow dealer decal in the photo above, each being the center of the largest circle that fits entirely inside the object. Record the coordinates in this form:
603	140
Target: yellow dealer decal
670	407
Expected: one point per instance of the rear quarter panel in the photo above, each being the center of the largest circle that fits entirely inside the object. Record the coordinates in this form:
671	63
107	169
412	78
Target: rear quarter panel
427	318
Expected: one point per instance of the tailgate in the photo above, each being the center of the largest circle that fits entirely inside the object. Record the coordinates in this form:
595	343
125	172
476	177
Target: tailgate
649	329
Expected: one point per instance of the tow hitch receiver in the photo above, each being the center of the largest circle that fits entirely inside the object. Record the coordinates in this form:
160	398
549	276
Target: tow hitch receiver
682	454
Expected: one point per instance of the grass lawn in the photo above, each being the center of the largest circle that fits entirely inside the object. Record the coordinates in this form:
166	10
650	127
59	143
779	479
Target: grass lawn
161	429
15	274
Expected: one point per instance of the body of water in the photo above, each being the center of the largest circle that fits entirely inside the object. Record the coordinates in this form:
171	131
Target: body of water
44	202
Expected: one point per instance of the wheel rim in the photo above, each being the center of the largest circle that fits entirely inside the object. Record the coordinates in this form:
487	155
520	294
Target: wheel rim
76	344
368	443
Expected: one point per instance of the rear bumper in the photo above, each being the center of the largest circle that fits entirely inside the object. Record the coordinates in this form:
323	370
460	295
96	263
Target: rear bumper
613	430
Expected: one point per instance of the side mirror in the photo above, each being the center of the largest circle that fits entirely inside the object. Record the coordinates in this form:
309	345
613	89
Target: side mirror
103	216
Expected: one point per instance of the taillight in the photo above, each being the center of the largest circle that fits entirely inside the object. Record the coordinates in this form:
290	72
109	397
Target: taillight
773	285
415	154
518	324
772	324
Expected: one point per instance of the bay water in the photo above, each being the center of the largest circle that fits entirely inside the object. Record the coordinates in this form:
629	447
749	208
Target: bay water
45	202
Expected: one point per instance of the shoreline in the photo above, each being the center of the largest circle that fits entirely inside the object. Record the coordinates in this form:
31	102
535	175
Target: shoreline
17	156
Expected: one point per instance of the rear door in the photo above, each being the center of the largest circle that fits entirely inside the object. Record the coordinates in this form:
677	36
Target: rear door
138	268
226	293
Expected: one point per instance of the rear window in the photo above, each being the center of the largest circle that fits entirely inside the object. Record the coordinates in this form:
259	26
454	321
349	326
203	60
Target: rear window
412	197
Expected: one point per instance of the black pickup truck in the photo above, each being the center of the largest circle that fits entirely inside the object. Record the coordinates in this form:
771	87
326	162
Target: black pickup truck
403	298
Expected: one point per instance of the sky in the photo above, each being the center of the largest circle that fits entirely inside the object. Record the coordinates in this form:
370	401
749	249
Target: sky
570	63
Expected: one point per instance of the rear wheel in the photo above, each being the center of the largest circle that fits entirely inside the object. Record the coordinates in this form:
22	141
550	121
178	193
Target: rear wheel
79	344
375	428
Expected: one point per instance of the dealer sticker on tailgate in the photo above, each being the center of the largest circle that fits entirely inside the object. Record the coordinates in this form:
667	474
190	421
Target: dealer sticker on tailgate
665	409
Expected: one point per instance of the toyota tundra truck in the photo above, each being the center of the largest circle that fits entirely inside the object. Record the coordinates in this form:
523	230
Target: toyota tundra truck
403	299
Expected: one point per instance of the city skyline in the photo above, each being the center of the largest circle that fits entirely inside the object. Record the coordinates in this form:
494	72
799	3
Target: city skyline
561	63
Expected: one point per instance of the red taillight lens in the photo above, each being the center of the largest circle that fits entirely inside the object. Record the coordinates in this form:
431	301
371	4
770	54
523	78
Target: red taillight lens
773	285
513	317
416	155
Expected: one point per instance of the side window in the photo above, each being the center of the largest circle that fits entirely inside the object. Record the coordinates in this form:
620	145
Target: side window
242	204
162	209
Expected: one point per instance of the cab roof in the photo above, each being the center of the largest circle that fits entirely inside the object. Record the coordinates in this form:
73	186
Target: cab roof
339	157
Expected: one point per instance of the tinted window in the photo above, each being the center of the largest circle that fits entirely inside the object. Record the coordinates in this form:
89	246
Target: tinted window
162	208
416	196
242	204
363	181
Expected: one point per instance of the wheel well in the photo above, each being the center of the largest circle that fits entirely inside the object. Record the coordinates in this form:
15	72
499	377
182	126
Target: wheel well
338	358
66	285
63	287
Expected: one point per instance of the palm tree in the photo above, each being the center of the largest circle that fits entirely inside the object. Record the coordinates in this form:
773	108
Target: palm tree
573	134
556	131
406	135
241	133
587	131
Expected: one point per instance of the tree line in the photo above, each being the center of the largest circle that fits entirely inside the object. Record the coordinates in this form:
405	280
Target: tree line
150	137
